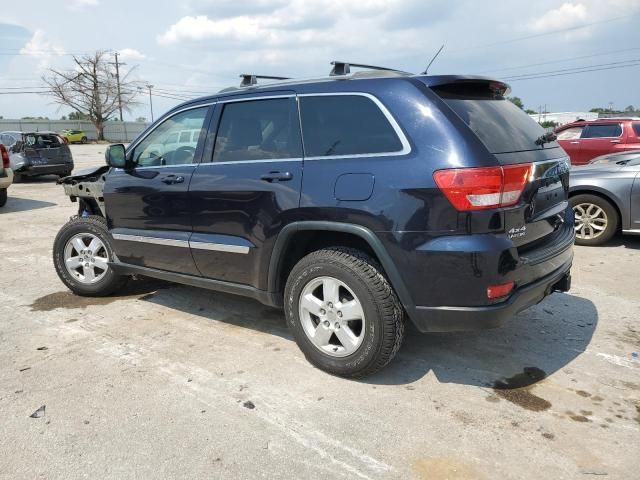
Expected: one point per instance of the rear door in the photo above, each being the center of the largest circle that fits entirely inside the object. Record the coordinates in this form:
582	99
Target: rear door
247	188
599	139
569	140
148	206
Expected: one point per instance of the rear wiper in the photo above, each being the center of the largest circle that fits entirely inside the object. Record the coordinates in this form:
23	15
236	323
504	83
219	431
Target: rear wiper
546	138
623	162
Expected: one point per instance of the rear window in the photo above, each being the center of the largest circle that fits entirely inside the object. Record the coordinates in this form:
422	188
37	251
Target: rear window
570	133
497	122
41	140
334	125
603	131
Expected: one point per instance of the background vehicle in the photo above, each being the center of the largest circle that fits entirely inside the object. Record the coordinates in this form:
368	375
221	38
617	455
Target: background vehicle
74	136
430	195
605	196
37	153
6	175
585	140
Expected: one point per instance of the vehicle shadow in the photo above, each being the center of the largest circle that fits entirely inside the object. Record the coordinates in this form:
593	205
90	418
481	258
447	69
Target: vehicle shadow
542	339
15	204
627	241
38	179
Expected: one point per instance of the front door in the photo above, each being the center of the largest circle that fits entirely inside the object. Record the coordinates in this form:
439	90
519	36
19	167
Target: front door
148	206
635	204
248	188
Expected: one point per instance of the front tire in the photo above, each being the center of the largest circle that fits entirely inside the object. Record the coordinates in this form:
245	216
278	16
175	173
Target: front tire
84	140
343	312
81	251
3	197
596	219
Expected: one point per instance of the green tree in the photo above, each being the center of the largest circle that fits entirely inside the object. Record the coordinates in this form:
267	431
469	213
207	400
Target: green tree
517	102
78	116
530	112
141	119
597	110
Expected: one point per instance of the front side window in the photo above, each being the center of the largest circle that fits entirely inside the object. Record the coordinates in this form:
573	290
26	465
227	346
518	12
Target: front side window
258	130
603	131
163	146
570	133
345	125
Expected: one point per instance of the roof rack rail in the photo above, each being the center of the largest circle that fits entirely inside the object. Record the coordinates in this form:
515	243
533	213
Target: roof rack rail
344	68
249	79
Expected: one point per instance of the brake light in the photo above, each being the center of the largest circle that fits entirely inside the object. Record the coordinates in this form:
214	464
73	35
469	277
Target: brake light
484	187
498	291
5	156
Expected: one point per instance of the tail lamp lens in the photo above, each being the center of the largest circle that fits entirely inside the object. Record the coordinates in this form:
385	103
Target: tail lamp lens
5	156
484	187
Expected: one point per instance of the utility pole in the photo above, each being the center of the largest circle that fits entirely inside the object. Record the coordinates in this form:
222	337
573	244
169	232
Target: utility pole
149	86
118	82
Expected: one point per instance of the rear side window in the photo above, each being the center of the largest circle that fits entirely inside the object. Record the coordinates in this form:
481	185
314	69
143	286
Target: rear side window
636	128
603	131
498	123
258	130
345	125
570	133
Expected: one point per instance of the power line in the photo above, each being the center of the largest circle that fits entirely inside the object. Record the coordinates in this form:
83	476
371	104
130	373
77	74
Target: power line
538	35
533	77
560	60
572	69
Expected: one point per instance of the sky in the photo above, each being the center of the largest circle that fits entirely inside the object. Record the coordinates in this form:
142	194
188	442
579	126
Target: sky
188	48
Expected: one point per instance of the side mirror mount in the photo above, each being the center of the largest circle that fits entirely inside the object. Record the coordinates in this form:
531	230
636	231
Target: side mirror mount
115	156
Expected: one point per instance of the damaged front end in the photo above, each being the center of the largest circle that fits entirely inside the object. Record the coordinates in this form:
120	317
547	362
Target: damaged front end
85	187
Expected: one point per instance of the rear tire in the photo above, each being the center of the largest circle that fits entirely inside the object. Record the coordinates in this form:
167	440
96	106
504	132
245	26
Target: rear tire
3	197
343	312
596	219
83	140
80	252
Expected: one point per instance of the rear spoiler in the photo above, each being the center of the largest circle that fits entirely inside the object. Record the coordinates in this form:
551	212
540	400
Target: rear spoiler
465	81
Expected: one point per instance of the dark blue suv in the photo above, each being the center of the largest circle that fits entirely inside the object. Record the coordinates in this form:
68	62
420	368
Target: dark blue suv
352	201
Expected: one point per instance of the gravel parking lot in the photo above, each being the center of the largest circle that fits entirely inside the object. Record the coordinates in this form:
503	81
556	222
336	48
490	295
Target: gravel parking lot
169	381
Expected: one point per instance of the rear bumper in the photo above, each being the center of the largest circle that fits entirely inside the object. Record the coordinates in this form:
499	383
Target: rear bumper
7	179
57	169
448	319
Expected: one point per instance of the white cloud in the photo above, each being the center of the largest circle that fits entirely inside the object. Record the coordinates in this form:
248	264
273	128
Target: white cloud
80	4
41	49
131	54
566	16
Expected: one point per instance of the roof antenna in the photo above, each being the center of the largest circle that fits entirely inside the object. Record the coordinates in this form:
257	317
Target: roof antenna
426	70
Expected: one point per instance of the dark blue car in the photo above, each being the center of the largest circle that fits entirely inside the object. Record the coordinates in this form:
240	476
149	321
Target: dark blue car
352	201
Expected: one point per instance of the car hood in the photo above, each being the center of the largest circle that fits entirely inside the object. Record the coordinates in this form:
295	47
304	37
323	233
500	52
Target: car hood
84	174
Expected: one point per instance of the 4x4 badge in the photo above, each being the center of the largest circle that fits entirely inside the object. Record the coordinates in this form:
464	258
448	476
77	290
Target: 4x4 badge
517	232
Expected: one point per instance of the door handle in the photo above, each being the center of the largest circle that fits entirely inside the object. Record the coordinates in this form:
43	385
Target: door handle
575	143
276	176
615	141
171	179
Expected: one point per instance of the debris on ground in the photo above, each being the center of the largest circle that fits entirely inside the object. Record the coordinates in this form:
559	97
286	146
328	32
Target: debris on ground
39	412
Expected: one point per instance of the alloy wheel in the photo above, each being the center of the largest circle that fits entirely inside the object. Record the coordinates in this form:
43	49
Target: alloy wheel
332	317
86	257
590	220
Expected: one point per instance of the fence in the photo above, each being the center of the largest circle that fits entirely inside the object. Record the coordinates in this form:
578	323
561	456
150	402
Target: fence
113	131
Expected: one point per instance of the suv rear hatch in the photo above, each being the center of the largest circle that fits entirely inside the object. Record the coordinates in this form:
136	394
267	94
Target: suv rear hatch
510	136
45	149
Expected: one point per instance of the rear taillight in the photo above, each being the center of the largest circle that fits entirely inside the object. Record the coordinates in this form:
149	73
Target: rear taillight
5	156
499	291
484	187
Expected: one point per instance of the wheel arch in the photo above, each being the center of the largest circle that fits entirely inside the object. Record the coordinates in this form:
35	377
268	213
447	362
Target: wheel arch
287	235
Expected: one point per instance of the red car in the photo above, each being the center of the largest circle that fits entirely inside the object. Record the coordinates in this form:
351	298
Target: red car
586	140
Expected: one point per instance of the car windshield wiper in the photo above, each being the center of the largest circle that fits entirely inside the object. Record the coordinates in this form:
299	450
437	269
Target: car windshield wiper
546	138
623	162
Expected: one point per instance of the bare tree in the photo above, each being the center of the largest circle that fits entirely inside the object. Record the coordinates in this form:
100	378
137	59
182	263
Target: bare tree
91	88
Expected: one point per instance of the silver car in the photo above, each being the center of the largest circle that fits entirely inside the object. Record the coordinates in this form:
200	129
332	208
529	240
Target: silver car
37	153
605	196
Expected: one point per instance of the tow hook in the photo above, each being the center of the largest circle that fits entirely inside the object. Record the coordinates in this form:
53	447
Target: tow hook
563	285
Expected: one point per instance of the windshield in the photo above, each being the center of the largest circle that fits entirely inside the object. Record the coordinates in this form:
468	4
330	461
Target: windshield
498	123
631	158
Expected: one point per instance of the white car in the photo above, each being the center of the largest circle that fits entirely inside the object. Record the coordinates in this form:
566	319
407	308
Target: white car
6	175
